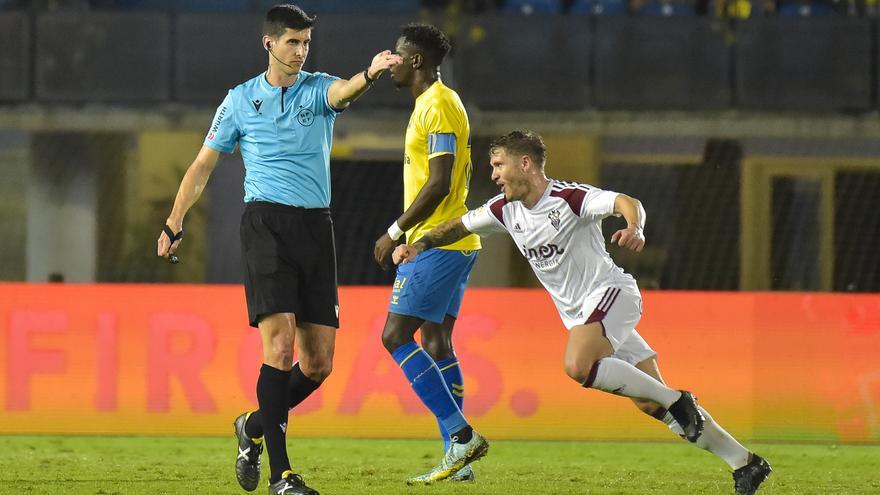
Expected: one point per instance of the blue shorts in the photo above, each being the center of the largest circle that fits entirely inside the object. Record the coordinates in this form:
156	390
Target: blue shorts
432	286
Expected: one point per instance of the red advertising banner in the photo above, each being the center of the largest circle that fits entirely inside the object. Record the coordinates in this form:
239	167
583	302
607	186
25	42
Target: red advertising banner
173	359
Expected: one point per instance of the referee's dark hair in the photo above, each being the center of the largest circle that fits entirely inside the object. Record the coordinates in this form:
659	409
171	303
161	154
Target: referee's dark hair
433	42
281	17
521	143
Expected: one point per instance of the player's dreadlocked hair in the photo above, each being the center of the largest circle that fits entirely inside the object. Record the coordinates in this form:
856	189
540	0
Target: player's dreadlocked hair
281	17
521	143
433	42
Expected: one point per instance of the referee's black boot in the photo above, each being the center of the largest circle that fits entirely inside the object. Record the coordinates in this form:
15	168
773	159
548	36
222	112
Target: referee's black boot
687	415
290	484
247	464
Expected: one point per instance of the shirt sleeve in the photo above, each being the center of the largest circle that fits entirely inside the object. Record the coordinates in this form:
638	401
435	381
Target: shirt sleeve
598	204
440	131
485	220
441	144
325	80
224	133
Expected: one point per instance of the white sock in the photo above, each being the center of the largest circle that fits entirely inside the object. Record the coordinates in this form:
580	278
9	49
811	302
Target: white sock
715	440
621	378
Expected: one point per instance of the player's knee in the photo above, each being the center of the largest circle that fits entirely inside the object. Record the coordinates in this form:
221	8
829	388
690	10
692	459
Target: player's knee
279	354
282	361
437	347
392	338
317	369
578	370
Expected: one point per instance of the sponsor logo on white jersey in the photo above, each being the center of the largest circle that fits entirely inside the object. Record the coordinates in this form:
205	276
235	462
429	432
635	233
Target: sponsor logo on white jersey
542	252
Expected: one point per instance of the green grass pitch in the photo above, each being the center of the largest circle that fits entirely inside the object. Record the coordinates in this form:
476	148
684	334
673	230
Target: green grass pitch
189	465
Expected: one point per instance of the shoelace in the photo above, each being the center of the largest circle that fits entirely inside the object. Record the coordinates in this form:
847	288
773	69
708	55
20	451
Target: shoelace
447	459
254	454
295	480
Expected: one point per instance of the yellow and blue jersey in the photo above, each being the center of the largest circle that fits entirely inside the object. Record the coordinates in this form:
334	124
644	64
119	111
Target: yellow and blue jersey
438	126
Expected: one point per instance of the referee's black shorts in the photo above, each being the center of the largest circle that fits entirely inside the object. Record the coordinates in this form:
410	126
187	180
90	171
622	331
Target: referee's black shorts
290	263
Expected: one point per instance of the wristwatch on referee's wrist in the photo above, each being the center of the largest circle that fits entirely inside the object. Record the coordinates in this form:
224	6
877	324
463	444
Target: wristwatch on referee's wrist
370	80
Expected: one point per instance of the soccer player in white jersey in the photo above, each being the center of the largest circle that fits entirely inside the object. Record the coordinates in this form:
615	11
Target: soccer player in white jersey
556	226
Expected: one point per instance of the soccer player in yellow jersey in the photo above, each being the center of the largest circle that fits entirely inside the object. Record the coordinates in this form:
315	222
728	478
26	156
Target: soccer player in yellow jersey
427	294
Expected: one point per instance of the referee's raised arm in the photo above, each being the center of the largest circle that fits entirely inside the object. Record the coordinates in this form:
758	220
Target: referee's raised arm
344	91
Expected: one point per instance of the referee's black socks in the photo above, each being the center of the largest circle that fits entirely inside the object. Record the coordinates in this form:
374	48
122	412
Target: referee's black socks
299	387
272	397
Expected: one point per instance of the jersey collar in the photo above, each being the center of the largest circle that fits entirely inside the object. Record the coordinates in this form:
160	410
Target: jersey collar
544	195
265	86
436	84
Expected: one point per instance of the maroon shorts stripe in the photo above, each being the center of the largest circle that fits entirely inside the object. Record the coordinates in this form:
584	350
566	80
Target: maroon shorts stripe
604	298
610	302
596	315
603	307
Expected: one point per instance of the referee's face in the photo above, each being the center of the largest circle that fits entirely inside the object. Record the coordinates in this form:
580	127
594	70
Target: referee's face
292	47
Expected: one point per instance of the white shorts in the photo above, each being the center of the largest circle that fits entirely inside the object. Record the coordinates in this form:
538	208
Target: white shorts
634	350
619	309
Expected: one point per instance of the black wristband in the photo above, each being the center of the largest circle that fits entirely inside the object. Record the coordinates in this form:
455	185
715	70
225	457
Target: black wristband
172	258
367	77
171	235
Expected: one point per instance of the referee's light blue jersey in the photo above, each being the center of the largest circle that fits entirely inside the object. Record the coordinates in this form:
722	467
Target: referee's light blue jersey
285	136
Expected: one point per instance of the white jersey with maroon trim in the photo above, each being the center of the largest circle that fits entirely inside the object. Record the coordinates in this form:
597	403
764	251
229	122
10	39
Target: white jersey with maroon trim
561	237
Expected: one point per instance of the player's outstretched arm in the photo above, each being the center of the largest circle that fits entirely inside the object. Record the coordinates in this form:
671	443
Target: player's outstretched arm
344	91
633	236
191	187
441	235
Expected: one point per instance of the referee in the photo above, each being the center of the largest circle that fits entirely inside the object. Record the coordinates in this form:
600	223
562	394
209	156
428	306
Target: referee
282	121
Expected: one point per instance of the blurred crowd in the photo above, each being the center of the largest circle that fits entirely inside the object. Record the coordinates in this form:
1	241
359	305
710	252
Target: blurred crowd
739	9
735	9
